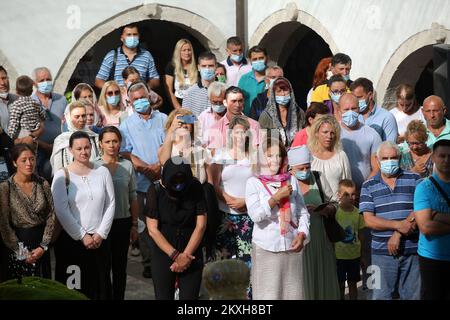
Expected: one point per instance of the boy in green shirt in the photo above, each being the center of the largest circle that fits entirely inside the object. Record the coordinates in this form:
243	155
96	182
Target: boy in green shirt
348	251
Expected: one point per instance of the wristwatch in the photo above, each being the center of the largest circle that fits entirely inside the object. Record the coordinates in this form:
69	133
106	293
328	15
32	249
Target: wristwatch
44	247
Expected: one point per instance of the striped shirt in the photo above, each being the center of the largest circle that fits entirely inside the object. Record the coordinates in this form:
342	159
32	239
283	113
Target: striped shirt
196	99
25	115
378	198
142	61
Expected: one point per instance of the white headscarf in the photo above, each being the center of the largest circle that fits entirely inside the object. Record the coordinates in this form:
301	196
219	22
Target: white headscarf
299	155
61	143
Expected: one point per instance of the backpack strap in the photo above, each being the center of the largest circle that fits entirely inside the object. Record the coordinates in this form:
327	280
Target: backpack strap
113	68
319	185
441	191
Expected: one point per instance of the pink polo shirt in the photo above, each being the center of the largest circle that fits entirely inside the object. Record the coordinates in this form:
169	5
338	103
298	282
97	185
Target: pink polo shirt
217	134
206	120
234	73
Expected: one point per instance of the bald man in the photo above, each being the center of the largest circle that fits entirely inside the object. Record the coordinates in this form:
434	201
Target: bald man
359	141
438	127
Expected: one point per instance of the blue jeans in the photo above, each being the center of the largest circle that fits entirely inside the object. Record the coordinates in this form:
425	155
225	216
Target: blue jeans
403	270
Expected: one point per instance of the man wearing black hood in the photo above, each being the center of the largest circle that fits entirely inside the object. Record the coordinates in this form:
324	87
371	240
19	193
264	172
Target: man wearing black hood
176	219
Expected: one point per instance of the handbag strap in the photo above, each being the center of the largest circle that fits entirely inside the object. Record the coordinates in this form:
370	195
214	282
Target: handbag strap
441	191
67	178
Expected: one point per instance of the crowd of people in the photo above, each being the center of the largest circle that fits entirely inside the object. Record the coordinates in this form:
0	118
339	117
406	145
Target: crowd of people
311	195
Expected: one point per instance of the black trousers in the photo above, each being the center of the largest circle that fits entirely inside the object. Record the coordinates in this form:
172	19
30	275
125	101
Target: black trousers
435	277
94	266
119	239
164	279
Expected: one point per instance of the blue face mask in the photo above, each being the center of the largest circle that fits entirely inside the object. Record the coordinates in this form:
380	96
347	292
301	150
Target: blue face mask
218	108
350	118
259	66
141	105
207	74
335	97
303	175
283	100
178	187
237	58
389	167
114	100
346	77
131	42
362	105
45	87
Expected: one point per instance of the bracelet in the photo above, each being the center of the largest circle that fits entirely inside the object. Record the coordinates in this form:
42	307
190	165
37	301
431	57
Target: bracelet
174	255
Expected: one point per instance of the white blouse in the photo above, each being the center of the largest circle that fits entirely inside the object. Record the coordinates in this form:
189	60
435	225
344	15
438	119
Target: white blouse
266	230
334	170
233	177
89	204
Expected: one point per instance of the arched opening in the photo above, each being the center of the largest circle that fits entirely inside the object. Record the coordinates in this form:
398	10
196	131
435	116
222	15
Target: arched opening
162	27
297	49
157	36
417	70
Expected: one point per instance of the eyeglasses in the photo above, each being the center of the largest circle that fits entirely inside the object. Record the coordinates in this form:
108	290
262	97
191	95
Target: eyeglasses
338	91
113	93
414	143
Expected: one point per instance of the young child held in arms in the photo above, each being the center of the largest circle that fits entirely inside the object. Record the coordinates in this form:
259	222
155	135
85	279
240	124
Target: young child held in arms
348	251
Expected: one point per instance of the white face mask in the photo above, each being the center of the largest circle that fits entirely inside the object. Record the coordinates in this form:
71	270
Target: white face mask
329	74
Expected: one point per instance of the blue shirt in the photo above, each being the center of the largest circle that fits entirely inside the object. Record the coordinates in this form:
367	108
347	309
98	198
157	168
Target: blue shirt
53	116
142	61
143	138
383	122
251	88
378	198
360	145
436	247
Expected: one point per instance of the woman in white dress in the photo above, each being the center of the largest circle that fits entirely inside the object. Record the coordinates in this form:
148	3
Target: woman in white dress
281	227
328	156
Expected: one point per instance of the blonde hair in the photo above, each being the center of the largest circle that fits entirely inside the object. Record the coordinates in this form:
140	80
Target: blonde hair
102	100
176	112
76	104
178	66
313	142
417	127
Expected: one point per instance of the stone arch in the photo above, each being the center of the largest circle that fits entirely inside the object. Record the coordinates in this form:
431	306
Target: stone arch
296	41
406	62
204	30
292	14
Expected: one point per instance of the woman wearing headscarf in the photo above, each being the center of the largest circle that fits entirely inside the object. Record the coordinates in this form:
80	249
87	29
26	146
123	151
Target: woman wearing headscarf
83	91
319	263
76	121
176	222
282	112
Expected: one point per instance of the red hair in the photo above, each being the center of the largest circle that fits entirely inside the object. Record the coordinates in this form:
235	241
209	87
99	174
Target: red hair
320	75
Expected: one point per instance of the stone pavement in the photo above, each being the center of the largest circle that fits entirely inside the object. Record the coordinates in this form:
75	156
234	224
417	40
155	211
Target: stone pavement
140	288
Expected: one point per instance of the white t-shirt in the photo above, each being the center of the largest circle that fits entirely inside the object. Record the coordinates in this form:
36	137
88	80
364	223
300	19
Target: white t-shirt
234	176
403	119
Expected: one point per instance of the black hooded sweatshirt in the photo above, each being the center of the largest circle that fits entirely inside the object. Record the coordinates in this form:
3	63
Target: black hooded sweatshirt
177	212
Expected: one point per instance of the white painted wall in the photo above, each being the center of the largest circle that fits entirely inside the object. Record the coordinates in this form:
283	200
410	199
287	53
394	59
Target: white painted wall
36	33
370	31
